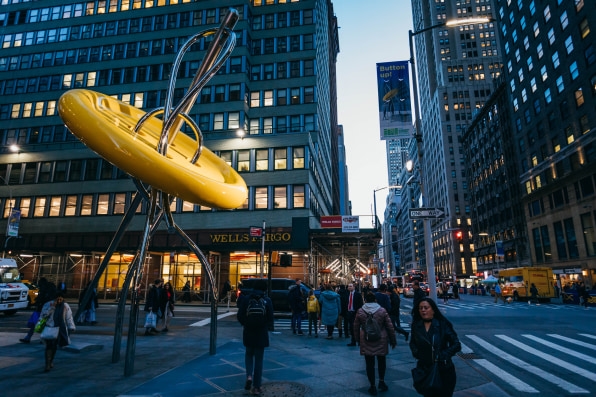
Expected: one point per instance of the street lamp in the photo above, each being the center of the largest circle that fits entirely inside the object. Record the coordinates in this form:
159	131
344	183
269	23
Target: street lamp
375	200
430	265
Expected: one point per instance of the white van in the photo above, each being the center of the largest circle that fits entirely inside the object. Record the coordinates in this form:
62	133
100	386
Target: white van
13	293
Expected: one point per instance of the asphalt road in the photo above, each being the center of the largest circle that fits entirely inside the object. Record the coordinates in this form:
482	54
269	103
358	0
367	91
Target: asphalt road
526	350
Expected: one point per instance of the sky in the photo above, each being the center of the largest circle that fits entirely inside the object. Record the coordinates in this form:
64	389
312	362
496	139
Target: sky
371	32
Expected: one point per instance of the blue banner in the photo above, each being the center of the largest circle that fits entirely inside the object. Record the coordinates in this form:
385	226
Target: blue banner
395	107
12	228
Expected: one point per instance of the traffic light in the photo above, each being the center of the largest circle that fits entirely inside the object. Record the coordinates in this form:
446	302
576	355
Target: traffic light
459	236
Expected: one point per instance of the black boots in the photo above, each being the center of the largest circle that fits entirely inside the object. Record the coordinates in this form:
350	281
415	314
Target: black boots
49	360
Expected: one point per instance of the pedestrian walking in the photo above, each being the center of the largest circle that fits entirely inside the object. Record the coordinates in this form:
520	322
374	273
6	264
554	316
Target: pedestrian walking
88	315
313	309
418	295
47	292
167	299
226	292
498	293
354	303
394	313
297	302
434	341
330	308
186	292
371	347
59	315
255	314
533	294
152	307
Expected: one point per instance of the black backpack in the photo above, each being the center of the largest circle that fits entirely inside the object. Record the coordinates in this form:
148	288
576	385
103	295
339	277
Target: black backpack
372	330
256	312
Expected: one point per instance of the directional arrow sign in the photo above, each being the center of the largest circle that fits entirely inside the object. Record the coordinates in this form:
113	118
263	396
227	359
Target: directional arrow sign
424	213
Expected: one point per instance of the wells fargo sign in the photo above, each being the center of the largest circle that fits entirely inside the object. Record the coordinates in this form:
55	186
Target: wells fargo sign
234	238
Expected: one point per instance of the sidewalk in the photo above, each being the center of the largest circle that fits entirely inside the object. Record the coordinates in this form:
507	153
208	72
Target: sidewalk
178	363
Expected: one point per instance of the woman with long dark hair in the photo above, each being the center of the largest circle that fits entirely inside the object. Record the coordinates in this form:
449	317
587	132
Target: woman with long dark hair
58	314
434	339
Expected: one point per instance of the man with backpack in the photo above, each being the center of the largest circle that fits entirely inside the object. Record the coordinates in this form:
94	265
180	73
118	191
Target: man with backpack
297	302
375	334
255	313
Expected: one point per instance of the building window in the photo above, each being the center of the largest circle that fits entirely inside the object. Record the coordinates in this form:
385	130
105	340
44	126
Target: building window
261	198
243	160
218	121
86	204
299	197
569	44
282	99
255	99
280	161
298	158
119	203
579	97
220	93
262	160
40	206
233	120
280	197
102	204
589	233
282	125
268	98
55	202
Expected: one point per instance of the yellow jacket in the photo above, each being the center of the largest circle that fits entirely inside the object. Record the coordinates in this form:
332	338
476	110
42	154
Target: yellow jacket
312	304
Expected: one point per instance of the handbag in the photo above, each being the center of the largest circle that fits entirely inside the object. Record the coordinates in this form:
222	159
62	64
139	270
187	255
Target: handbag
41	323
50	333
151	320
428	381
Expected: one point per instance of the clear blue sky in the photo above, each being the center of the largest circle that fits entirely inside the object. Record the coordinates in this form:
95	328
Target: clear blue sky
370	32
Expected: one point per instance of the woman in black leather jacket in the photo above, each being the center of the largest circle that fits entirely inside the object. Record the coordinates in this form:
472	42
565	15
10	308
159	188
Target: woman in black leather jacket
432	331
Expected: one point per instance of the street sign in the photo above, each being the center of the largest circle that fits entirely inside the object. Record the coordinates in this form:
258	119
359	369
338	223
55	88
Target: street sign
256	231
425	213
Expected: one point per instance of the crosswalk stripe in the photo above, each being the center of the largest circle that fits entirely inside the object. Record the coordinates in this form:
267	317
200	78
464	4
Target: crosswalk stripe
465	349
573	341
589	336
563	384
208	320
550	358
512	380
562	349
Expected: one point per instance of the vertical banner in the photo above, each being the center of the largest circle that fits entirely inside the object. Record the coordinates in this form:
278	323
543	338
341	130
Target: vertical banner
12	228
395	107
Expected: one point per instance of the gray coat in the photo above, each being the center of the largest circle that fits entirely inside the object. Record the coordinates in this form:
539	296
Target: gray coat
380	315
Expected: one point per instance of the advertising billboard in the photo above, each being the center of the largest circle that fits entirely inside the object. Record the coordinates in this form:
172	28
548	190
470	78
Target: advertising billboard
395	106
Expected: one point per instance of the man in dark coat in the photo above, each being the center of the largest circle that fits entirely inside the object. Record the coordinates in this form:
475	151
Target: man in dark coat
382	298
255	338
297	302
353	303
394	313
418	294
153	303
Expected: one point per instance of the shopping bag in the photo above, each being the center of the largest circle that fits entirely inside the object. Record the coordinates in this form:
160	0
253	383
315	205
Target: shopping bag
151	320
41	323
49	333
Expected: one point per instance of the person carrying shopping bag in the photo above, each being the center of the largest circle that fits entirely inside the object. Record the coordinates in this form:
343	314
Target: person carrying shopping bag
58	326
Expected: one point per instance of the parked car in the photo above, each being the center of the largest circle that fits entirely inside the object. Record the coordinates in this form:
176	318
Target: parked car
408	291
33	292
280	287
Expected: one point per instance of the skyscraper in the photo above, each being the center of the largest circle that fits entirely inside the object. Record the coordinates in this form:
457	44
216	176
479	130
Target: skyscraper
456	67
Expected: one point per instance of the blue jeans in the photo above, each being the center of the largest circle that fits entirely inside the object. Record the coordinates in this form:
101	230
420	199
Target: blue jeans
253	361
297	321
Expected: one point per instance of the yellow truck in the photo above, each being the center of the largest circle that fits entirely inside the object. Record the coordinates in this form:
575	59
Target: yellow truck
516	282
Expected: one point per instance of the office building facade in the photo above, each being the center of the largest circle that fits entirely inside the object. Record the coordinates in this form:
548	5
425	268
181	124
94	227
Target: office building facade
278	87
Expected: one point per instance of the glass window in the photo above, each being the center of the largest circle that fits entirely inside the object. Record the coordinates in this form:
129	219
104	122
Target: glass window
233	120
243	160
45	171
55	202
103	201
262	160
261	198
218	121
268	98
40	206
119	203
255	99
298	157
282	97
86	204
299	197
280	199
187	206
589	233
281	160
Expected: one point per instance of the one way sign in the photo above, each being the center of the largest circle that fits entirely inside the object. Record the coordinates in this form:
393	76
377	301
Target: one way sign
426	213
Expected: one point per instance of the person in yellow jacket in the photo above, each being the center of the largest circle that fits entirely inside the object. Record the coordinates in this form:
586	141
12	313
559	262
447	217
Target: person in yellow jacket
313	309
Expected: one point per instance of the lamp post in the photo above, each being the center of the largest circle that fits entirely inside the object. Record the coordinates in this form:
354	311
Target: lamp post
430	265
9	216
375	200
